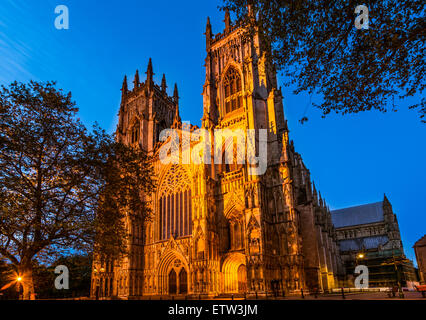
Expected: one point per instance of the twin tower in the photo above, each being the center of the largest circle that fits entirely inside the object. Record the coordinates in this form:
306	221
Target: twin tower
216	229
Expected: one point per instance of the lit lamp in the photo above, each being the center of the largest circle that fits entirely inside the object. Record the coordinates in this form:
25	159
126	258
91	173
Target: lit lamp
19	280
102	288
360	256
95	271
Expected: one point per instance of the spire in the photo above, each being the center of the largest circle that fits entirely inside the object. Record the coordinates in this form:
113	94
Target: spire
227	21
250	10
314	194
176	95
208	34
149	74
163	83
176	120
124	87
387	206
136	81
385	199
314	190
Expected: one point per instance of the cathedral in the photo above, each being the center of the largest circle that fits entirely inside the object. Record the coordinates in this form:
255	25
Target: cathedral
217	229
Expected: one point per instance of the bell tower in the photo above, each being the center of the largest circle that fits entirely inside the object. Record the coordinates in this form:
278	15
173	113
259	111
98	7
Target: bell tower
241	88
240	93
145	111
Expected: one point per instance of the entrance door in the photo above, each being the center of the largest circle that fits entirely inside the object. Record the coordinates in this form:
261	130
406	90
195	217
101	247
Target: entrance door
183	281
242	278
172	282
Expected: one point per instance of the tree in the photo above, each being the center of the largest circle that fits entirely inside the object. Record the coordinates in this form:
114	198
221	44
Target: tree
62	189
316	45
79	267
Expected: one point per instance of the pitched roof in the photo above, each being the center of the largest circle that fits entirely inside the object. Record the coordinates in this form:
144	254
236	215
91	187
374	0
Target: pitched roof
421	242
359	215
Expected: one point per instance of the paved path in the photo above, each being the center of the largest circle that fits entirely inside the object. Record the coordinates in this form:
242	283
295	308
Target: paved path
361	296
348	296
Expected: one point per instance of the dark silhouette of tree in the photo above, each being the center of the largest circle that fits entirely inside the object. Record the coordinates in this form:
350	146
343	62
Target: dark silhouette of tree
318	48
79	267
62	189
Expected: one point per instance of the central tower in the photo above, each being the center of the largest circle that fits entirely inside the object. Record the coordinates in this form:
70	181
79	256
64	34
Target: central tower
257	225
240	88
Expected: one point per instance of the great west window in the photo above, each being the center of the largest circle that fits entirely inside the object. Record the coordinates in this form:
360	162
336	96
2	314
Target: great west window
174	204
175	214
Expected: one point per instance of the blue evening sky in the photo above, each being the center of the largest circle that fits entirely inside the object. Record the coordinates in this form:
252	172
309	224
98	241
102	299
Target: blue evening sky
353	159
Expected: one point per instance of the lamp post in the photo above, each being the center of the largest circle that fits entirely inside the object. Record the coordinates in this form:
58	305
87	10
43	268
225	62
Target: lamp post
102	275
19	282
95	272
359	256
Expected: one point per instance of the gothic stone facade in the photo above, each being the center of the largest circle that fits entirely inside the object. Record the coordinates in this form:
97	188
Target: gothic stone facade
216	228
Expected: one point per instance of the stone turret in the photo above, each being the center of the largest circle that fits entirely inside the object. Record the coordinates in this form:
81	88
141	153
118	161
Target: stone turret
124	88
228	23
136	82
163	84
208	34
149	76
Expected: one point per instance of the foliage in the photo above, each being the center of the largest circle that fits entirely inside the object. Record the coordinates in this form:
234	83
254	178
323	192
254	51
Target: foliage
61	187
317	47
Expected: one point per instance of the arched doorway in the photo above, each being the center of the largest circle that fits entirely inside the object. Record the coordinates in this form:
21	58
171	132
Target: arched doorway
171	278
242	279
183	281
172	282
234	273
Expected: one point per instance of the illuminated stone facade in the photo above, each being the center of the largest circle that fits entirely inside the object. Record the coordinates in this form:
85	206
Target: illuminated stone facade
216	228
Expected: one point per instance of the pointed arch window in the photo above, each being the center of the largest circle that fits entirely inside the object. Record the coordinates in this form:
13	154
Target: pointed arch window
135	133
176	214
175	207
233	90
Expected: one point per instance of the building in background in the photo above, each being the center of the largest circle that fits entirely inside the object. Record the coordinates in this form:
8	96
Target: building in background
420	250
218	229
369	235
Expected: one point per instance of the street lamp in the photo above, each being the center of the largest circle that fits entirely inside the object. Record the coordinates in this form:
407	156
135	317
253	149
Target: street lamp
361	256
19	280
95	271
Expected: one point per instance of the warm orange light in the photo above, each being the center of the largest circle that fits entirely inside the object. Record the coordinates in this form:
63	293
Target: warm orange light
361	256
19	279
